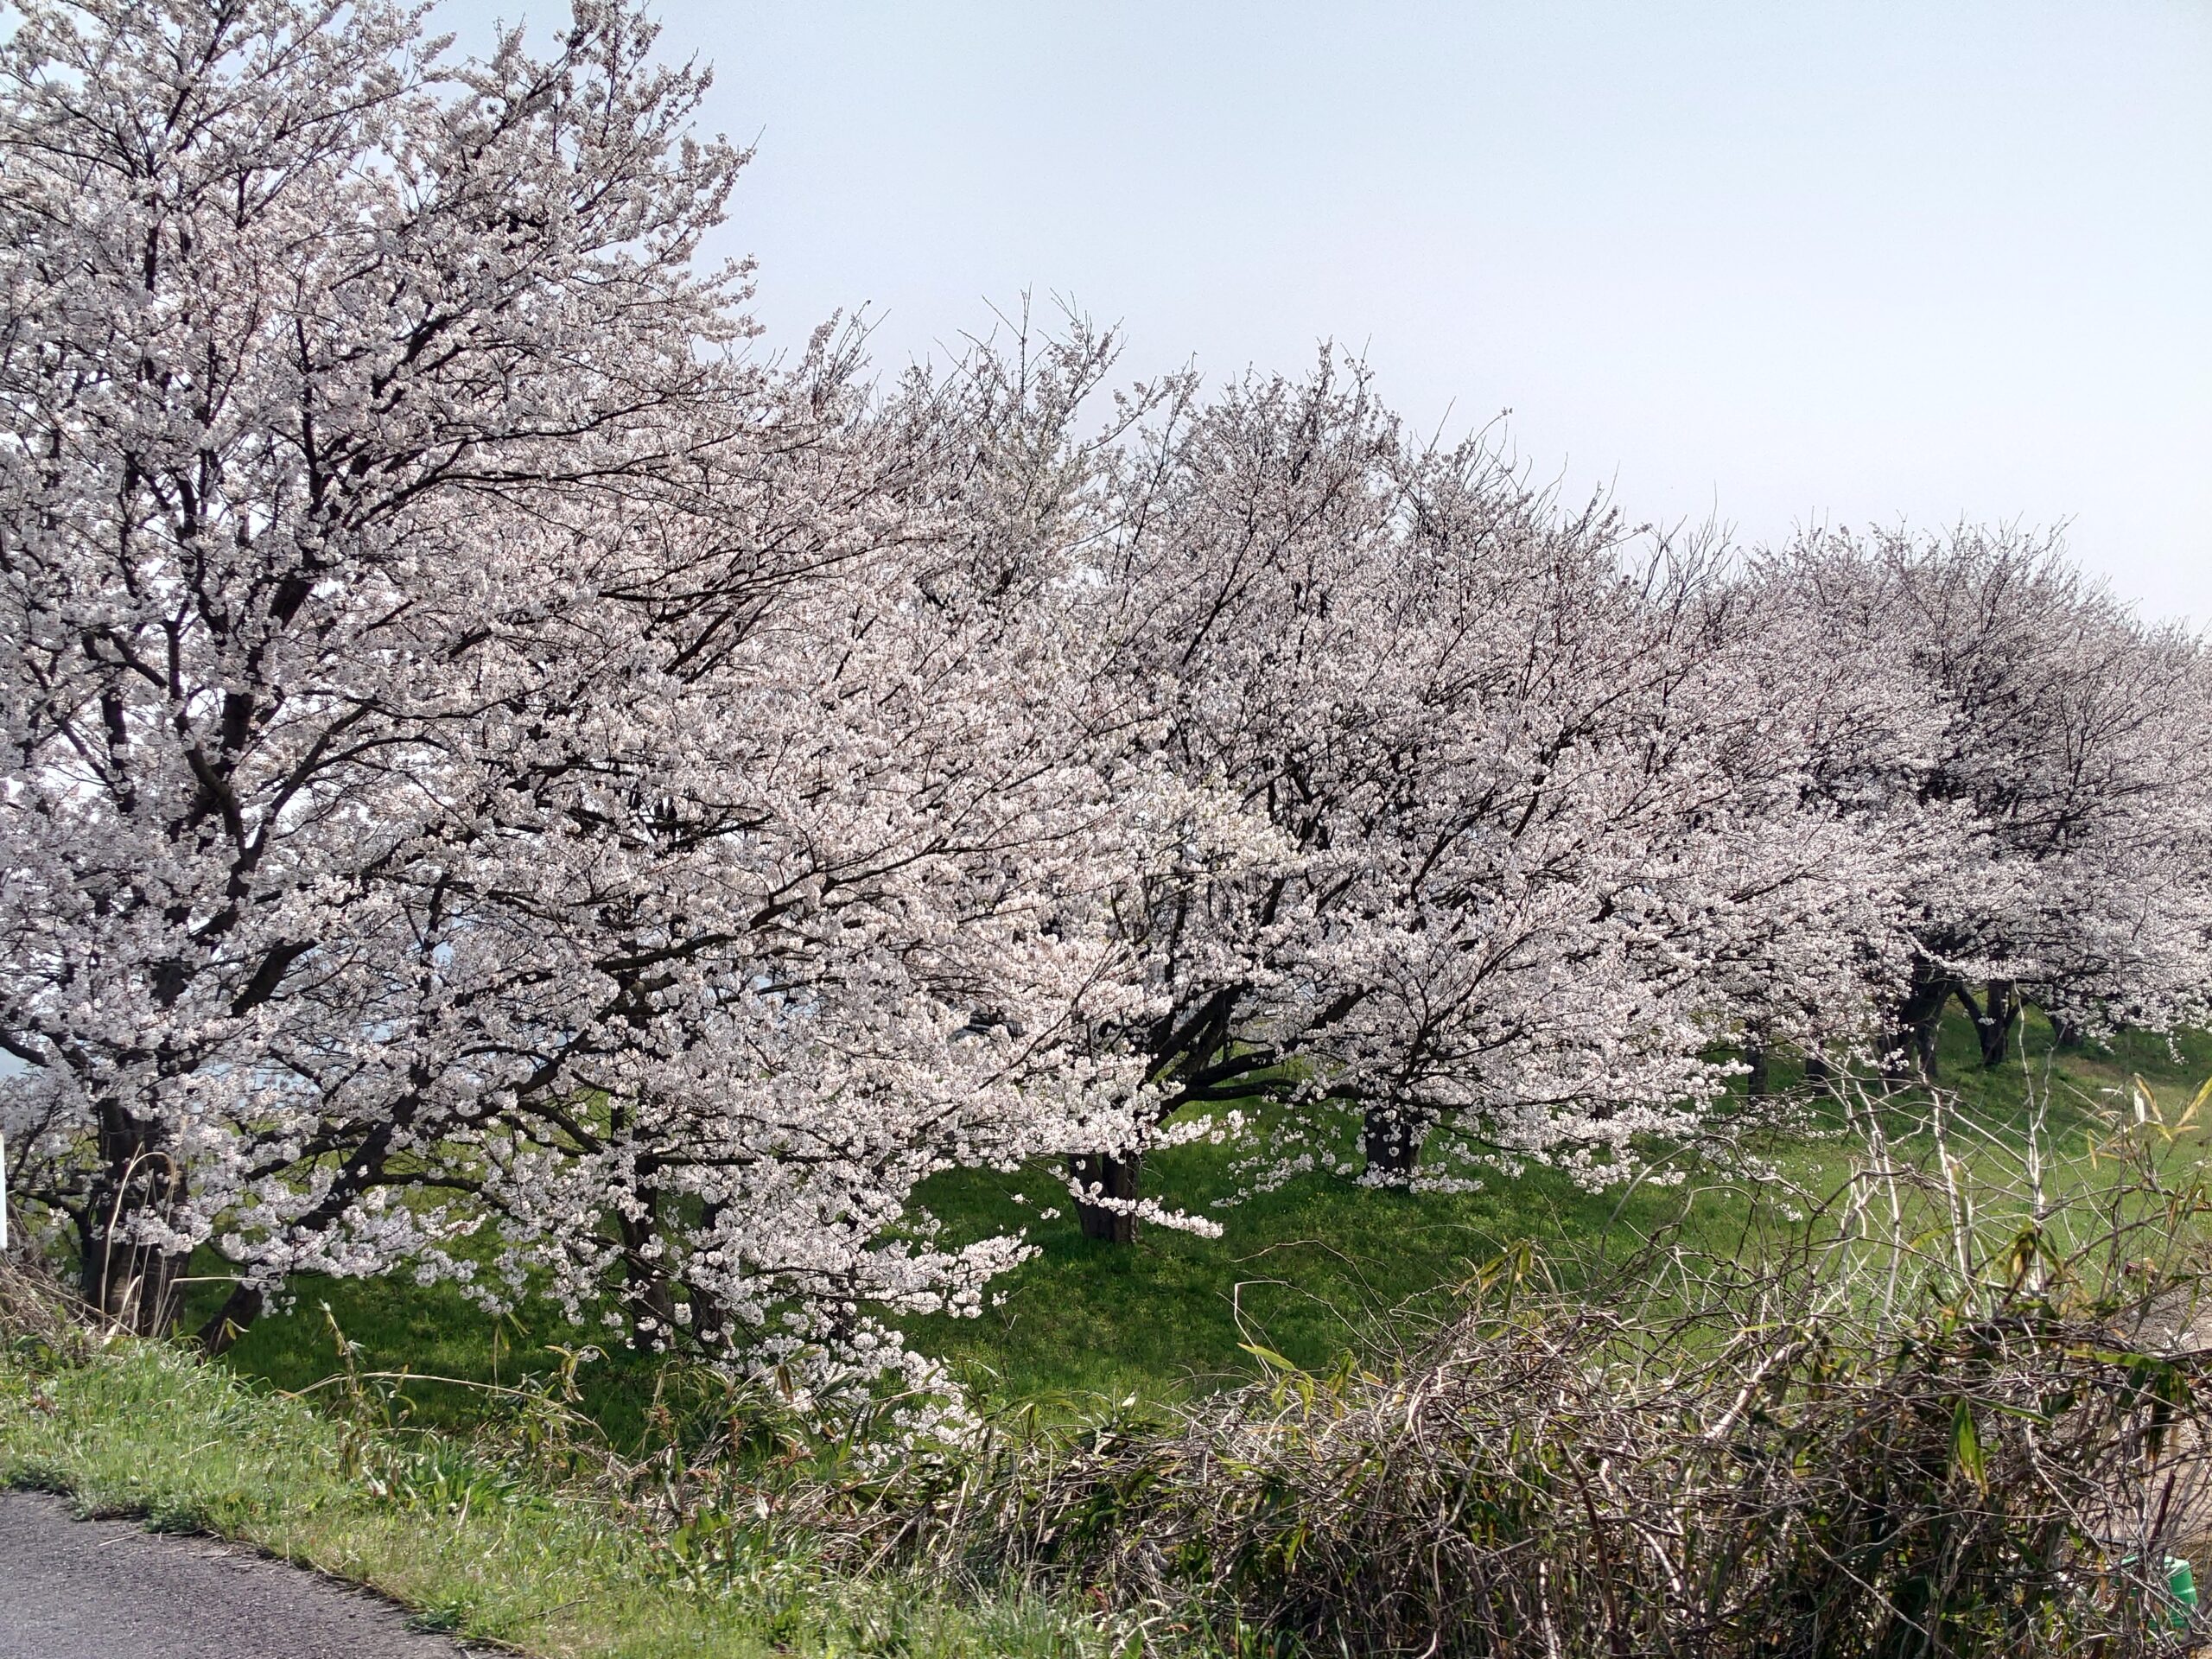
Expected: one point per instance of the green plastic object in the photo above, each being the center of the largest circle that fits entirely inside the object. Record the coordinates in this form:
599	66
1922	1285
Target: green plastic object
2181	1590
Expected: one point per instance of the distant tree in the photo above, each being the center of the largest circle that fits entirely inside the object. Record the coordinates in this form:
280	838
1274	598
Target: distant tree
2055	830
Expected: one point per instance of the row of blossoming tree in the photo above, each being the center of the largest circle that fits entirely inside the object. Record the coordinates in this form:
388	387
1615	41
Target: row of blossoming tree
506	780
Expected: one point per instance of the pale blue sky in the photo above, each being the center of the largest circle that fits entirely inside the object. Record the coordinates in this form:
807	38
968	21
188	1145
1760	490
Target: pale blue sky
1846	262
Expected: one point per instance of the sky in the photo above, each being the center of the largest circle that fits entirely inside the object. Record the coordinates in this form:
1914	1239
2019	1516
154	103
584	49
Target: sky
1774	265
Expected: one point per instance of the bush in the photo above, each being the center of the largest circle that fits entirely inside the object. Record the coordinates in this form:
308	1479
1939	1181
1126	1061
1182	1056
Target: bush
1941	1415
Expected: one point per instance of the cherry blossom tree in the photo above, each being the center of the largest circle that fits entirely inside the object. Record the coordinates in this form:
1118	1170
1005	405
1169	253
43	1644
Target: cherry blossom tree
480	746
2051	835
859	929
1539	834
290	315
1824	821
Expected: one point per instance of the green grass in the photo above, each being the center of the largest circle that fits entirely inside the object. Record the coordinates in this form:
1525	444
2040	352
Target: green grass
432	1331
1302	1270
471	1546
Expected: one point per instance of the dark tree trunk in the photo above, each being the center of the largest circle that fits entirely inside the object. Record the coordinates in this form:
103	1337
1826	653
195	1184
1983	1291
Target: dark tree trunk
1995	1019
1759	1082
709	1316
1924	1059
1819	1073
2065	1032
1392	1141
1116	1177
651	1302
1920	1017
709	1321
240	1309
125	1282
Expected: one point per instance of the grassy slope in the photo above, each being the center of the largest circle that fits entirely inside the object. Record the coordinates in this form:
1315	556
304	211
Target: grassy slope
1312	1263
1304	1266
558	1570
149	1431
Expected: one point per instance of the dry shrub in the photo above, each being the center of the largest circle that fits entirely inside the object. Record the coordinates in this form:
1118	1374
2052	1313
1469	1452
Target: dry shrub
37	1312
1948	1414
1547	1481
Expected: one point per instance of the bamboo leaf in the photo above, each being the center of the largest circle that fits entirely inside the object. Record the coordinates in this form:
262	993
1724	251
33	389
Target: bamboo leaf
1966	1457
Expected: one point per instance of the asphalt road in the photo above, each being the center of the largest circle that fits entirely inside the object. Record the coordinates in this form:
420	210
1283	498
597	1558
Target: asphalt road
111	1590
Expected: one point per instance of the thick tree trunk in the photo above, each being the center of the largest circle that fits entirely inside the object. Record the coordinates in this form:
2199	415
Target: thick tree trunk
1996	1020
2066	1032
1819	1072
240	1309
1392	1141
1919	1019
127	1282
1117	1178
1759	1082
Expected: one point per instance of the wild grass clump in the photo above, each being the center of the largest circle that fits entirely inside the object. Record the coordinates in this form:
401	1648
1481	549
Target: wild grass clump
37	1314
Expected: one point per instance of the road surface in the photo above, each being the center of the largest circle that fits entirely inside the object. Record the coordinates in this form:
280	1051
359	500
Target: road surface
111	1590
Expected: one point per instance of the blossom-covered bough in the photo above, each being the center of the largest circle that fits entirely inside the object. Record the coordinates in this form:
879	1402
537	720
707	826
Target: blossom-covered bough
506	782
